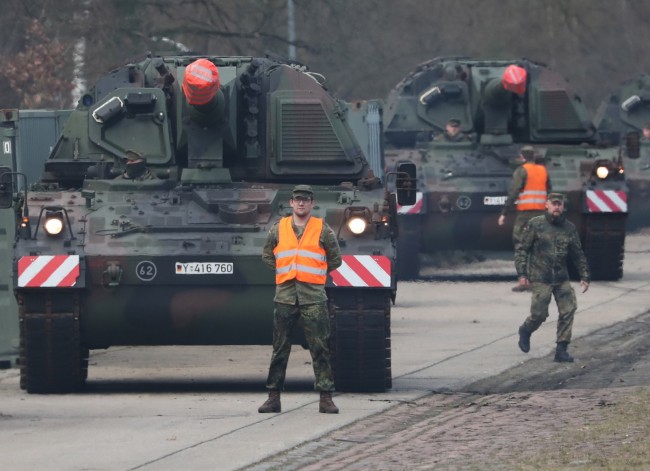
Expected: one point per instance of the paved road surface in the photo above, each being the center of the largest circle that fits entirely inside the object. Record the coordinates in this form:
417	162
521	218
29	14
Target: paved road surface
196	408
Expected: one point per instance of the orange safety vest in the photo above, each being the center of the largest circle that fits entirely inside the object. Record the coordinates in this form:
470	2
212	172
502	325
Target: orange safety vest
533	195
302	259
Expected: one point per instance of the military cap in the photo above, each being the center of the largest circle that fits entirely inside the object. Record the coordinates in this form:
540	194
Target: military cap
302	190
133	155
528	152
555	197
454	122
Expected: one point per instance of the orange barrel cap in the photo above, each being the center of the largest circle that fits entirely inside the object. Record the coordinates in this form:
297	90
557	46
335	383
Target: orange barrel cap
201	82
514	79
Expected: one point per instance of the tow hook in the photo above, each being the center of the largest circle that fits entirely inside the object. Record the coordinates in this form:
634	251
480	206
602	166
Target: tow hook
112	275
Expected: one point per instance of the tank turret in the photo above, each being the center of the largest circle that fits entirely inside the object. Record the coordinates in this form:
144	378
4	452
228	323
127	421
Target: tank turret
148	224
499	105
518	101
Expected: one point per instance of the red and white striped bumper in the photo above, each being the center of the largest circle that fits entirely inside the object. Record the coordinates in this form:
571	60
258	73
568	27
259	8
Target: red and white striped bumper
368	271
48	271
606	201
414	208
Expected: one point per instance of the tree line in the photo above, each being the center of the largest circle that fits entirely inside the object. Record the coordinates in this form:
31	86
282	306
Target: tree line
51	49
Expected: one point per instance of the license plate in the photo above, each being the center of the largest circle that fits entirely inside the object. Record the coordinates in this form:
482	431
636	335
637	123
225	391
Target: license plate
204	268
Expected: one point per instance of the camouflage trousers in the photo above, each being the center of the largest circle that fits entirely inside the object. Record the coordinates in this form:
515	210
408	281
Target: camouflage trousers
519	225
315	318
565	298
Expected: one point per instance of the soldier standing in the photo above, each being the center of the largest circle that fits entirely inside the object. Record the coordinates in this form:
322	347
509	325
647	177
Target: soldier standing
541	260
530	185
301	249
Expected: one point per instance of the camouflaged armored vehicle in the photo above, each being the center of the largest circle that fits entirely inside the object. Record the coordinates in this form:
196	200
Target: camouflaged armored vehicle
462	186
620	119
149	221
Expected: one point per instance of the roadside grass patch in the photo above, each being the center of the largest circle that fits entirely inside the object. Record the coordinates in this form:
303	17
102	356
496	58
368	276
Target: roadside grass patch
618	443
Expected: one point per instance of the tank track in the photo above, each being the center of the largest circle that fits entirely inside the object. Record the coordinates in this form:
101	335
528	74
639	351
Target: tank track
51	359
604	245
360	339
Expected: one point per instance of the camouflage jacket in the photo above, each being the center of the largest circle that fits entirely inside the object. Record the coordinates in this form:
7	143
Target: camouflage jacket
445	137
546	247
293	291
518	183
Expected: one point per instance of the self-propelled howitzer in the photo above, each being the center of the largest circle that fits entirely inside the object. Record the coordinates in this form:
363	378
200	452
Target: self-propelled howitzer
621	119
148	225
501	105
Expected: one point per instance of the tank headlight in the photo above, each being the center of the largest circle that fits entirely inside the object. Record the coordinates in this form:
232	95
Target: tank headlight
53	223
357	225
602	172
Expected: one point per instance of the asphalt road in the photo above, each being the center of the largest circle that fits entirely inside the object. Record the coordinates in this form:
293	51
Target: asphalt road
196	408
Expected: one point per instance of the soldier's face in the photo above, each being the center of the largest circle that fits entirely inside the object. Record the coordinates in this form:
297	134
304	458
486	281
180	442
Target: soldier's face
301	205
451	130
555	208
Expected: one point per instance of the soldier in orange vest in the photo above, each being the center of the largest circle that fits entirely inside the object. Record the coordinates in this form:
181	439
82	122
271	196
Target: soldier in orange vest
301	249
528	192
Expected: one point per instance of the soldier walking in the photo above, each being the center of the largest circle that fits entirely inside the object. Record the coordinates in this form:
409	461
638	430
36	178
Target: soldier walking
301	249
530	185
548	241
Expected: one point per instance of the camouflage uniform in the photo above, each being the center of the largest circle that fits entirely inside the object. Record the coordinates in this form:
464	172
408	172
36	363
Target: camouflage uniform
521	220
446	137
295	299
541	257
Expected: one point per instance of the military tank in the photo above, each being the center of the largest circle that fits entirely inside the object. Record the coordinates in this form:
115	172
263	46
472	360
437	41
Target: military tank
620	119
500	105
148	223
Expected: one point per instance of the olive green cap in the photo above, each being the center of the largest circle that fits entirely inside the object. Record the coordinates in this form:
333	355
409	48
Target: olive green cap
133	155
553	197
454	122
528	152
302	190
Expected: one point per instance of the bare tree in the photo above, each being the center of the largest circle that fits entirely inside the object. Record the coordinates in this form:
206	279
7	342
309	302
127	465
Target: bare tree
37	74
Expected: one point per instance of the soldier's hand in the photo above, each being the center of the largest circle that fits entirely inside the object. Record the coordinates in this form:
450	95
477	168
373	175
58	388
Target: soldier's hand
502	220
584	285
523	281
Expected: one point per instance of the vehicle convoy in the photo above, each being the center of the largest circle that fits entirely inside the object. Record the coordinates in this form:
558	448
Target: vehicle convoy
148	224
620	119
462	186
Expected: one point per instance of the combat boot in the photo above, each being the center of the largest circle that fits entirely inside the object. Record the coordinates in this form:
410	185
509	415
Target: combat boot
272	404
326	405
524	339
561	355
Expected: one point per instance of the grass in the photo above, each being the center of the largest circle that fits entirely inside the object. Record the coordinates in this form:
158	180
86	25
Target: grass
621	442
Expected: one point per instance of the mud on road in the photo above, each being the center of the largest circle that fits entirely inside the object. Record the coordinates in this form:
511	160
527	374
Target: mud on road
537	415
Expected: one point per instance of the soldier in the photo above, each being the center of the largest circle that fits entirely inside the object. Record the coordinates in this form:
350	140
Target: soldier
301	249
530	185
645	137
541	260
452	132
136	167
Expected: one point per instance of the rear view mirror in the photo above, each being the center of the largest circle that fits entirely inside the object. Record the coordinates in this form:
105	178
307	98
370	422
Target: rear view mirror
6	187
406	183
